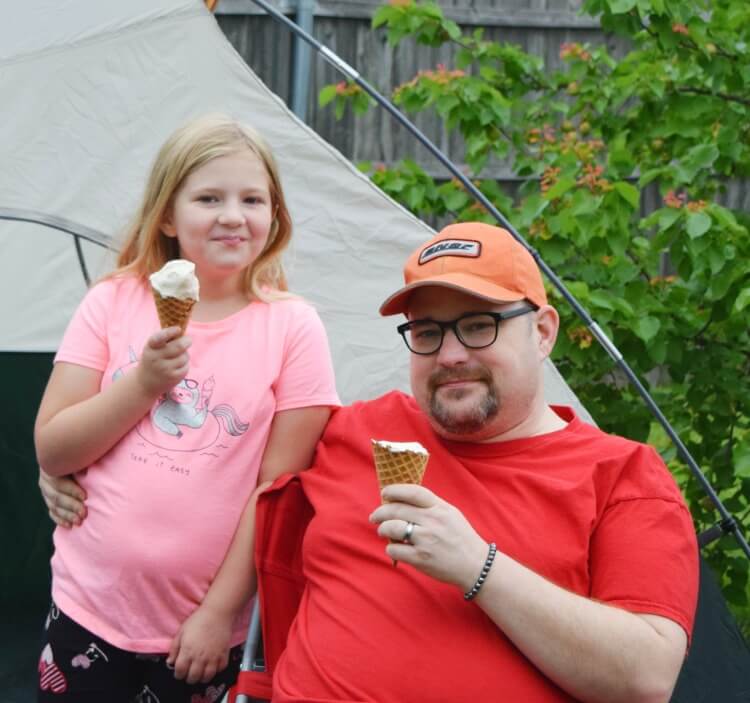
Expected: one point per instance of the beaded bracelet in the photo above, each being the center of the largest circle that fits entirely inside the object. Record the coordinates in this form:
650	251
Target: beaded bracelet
471	593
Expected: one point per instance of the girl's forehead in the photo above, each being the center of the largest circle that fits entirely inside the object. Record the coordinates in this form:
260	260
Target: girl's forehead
235	167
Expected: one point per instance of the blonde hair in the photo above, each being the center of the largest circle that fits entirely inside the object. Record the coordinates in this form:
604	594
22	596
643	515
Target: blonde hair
146	248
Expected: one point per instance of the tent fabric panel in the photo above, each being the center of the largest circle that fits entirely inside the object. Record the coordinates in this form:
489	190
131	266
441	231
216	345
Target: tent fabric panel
88	117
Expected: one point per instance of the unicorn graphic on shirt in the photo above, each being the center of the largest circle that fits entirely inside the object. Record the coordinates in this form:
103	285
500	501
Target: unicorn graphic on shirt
187	406
183	419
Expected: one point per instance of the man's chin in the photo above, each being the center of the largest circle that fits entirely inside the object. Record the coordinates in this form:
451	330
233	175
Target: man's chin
458	421
457	431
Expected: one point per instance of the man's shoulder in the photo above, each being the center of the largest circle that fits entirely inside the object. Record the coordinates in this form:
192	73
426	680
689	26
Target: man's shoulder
384	417
392	401
580	430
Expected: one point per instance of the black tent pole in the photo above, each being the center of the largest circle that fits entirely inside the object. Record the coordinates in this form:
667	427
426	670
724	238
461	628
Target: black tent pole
77	231
727	524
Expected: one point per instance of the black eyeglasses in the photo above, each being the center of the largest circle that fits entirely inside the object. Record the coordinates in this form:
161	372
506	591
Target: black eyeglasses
474	330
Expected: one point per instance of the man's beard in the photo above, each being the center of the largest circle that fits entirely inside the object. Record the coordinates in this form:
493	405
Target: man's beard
464	421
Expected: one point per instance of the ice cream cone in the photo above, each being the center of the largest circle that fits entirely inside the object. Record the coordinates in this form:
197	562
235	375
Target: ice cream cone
173	311
399	463
402	466
176	289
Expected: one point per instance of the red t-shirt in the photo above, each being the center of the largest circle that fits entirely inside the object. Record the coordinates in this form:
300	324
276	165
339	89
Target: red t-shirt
596	514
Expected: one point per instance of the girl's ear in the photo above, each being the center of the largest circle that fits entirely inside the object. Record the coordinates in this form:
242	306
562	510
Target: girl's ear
167	224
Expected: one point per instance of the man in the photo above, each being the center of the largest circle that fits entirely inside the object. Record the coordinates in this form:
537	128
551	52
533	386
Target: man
541	560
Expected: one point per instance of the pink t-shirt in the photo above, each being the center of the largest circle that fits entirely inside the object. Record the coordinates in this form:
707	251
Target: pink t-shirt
164	503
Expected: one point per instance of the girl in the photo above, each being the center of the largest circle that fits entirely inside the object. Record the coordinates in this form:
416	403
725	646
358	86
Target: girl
151	591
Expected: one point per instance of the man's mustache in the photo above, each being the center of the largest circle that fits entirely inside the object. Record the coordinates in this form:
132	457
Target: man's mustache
443	376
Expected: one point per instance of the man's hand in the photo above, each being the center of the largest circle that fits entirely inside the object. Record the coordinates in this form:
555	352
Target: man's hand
200	650
64	499
442	544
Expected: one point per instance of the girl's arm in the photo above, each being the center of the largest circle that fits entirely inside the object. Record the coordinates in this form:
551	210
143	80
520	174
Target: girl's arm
78	423
200	648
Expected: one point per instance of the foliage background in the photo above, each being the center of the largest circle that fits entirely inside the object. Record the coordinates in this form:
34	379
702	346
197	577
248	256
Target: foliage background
590	142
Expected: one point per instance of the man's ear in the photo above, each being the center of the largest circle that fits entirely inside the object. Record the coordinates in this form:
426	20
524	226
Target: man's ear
167	224
547	325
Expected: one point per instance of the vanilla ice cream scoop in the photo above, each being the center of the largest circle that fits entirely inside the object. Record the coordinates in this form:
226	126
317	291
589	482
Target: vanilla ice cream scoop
176	279
175	290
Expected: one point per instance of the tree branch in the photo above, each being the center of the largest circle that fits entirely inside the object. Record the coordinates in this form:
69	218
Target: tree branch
722	96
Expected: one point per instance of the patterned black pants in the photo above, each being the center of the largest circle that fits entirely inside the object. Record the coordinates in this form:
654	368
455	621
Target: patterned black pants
76	666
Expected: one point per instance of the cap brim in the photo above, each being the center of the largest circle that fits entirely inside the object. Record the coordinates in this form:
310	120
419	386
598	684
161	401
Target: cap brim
464	283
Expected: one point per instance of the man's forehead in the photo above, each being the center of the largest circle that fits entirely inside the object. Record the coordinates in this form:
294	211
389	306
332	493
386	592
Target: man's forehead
432	301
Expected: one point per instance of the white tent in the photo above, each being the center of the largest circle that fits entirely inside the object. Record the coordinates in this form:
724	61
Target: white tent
90	90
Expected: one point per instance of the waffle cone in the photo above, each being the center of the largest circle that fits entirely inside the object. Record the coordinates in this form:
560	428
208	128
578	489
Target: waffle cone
173	311
398	467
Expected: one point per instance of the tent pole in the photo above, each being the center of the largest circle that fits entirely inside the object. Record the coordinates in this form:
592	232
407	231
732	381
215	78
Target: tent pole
302	59
77	231
727	524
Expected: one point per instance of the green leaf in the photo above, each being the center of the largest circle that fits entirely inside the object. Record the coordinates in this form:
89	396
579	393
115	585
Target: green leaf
601	299
741	457
629	193
657	350
531	208
361	103
326	94
455	200
720	284
716	260
646	328
668	217
650	175
620	7
579	289
698	223
560	188
698	158
384	14
742	300
414	196
340	107
396	185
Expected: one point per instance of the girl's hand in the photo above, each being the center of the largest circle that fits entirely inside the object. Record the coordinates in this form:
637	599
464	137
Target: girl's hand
164	361
200	650
442	544
64	499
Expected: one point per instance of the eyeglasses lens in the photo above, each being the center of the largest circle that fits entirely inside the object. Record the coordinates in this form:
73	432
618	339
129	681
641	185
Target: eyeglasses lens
424	337
476	331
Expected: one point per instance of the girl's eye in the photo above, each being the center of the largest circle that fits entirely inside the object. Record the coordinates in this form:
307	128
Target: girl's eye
254	200
207	199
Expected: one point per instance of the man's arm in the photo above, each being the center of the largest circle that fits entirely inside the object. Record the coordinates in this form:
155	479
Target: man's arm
199	649
595	652
64	498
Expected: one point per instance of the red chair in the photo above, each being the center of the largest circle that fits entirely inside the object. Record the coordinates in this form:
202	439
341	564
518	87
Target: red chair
283	514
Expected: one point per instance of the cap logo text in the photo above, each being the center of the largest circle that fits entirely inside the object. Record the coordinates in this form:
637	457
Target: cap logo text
450	247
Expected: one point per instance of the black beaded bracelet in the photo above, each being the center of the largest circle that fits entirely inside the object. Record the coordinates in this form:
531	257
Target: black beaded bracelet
470	594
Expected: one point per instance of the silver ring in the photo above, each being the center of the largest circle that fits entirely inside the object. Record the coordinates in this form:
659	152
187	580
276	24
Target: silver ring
407	534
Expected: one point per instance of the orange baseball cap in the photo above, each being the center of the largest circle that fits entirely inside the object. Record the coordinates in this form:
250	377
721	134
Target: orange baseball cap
474	258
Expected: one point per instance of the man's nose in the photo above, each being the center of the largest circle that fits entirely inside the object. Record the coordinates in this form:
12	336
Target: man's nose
452	352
